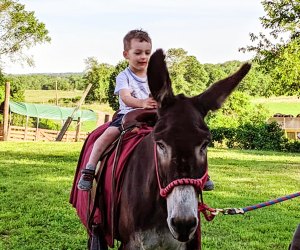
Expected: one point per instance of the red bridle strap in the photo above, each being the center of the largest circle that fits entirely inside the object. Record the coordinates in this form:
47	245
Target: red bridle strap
197	183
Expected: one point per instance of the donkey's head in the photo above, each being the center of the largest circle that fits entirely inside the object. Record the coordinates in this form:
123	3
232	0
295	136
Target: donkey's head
182	136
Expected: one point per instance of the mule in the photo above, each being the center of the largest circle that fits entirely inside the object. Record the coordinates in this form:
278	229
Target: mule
158	207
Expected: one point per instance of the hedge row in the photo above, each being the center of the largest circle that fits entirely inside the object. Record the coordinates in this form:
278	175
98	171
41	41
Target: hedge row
262	136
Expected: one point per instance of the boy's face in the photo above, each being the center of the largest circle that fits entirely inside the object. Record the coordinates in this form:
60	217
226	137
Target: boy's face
138	55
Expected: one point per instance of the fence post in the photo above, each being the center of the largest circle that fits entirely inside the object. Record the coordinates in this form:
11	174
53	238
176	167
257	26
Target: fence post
77	129
6	111
26	128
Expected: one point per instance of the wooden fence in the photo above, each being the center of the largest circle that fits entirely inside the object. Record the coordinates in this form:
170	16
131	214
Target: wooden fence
17	133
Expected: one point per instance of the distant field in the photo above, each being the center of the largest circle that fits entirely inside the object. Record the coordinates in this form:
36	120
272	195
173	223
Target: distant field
43	96
284	105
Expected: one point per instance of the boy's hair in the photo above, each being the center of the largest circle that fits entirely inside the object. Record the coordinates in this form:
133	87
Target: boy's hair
136	34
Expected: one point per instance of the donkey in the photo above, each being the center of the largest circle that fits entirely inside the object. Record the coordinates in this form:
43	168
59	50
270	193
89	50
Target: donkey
158	206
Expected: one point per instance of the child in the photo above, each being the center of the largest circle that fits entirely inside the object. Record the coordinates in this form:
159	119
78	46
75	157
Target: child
133	91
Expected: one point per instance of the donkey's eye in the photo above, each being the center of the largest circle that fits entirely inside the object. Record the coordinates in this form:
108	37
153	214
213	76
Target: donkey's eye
161	147
203	147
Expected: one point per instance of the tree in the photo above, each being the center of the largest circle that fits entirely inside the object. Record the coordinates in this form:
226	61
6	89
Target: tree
187	74
215	73
256	82
112	98
278	51
2	87
98	75
195	76
19	30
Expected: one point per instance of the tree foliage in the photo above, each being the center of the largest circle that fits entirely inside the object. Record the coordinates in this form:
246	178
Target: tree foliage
277	51
215	73
19	30
186	72
64	81
112	98
98	74
236	111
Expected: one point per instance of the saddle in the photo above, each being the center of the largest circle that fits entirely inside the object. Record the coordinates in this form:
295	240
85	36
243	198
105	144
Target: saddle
100	207
137	117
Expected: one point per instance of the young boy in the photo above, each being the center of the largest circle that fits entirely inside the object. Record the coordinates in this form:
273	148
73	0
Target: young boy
132	88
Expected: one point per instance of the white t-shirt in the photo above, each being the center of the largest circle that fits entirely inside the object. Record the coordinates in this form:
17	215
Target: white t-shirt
138	88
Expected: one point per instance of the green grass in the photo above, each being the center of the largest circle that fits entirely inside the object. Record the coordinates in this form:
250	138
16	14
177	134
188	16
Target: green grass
35	181
43	96
36	178
283	105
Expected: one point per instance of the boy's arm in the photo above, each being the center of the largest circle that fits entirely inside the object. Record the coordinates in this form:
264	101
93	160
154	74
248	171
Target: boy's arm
133	102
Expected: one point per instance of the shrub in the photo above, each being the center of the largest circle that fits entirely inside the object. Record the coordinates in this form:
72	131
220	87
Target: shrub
236	111
223	136
292	146
262	136
47	124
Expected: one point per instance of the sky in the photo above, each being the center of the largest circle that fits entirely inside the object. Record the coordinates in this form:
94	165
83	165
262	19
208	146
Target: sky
211	30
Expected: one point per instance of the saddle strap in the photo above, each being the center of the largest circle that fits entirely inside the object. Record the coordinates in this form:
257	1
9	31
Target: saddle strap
98	198
98	192
115	163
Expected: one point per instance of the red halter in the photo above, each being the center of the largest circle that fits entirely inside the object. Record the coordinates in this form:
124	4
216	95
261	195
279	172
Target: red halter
197	183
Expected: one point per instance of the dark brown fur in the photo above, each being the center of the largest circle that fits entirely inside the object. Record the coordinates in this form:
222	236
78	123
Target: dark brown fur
181	125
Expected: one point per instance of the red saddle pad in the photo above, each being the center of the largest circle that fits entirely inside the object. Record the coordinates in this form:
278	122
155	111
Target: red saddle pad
80	199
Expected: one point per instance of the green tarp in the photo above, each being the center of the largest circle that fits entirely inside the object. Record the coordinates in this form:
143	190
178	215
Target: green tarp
50	111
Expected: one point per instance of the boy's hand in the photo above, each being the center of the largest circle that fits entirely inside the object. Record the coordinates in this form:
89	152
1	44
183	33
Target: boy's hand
149	103
130	101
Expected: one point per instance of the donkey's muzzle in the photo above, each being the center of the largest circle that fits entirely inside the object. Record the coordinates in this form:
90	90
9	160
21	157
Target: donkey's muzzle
184	228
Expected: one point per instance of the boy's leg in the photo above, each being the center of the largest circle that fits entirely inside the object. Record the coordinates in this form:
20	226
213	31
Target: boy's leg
86	180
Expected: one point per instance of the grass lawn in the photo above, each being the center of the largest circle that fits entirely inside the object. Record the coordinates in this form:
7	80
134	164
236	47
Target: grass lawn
43	96
284	104
35	181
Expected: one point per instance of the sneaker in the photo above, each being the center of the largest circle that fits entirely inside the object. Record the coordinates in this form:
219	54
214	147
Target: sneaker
209	185
85	182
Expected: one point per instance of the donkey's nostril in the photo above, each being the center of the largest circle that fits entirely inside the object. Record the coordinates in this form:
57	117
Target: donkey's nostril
184	226
193	223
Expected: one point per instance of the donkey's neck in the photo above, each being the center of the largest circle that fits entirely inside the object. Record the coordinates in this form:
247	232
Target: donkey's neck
141	200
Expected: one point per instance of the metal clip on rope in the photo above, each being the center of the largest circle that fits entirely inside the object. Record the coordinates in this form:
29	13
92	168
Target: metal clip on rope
209	213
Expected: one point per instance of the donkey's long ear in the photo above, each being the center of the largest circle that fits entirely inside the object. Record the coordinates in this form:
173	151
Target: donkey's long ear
158	78
215	95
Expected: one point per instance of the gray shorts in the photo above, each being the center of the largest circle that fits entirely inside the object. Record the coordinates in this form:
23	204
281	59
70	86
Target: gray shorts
117	121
